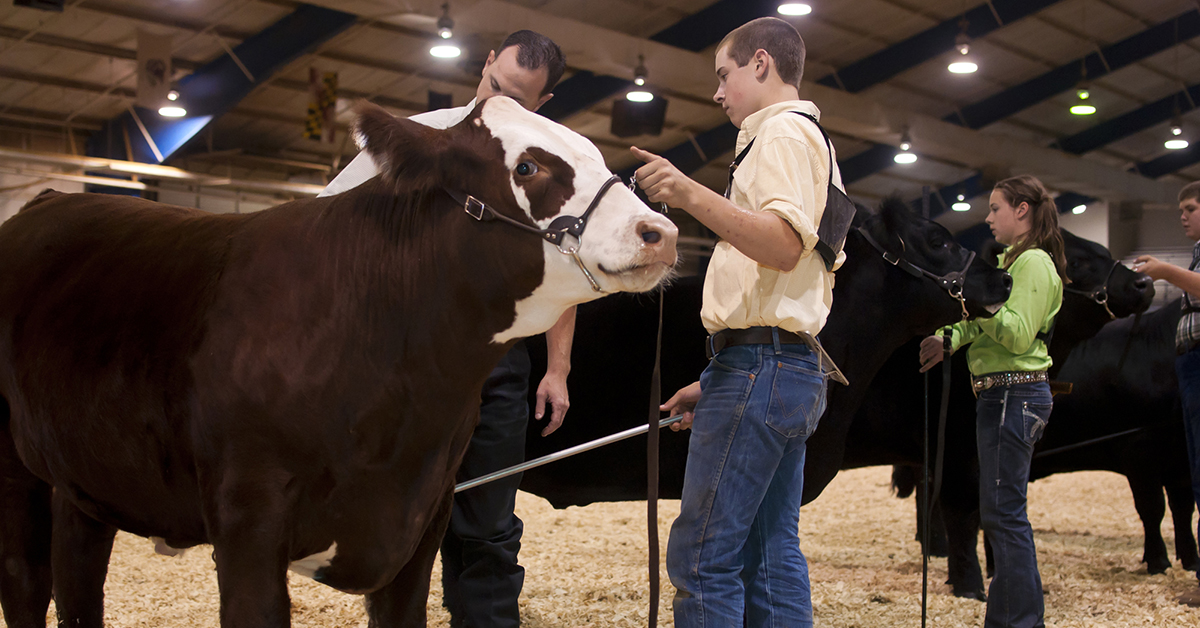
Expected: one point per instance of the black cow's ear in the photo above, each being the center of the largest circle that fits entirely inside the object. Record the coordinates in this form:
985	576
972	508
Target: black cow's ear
402	149
894	213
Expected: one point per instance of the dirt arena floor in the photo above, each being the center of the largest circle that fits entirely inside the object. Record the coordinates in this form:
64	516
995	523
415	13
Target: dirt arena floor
586	566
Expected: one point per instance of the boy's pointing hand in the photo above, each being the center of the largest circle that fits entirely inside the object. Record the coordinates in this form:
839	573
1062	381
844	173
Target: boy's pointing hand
662	181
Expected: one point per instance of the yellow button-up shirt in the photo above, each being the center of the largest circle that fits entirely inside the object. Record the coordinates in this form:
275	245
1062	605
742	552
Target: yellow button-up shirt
785	173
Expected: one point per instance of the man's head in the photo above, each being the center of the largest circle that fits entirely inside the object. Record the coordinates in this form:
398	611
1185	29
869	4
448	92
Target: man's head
758	64
525	68
1189	202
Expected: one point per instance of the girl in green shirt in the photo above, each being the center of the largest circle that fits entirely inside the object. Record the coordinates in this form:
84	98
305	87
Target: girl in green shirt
1008	362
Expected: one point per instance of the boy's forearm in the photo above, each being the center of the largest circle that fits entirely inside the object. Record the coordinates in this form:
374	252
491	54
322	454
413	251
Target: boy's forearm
1184	279
762	236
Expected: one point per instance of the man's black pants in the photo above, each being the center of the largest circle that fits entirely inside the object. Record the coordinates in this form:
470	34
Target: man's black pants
481	579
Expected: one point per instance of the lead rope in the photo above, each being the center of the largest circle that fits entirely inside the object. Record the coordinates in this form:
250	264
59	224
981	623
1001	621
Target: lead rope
937	470
652	467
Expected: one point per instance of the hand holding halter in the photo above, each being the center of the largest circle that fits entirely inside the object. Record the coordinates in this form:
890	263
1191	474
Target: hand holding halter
633	188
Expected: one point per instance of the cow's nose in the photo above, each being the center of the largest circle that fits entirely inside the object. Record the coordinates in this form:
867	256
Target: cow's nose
1143	282
1007	281
658	236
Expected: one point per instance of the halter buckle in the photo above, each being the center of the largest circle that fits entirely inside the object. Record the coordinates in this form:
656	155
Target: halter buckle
474	207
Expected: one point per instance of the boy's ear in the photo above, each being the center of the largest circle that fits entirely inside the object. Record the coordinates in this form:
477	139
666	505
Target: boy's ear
762	64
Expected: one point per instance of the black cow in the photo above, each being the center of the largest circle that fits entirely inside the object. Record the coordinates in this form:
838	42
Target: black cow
1126	405
889	428
876	306
297	386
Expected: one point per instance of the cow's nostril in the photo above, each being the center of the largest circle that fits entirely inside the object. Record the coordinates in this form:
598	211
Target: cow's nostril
1007	280
1141	283
651	236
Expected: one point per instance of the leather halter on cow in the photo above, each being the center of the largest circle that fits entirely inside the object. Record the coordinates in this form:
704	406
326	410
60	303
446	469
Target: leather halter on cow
558	230
296	386
951	282
1099	295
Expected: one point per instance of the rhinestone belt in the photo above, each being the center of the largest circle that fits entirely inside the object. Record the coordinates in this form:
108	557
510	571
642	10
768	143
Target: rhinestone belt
1006	378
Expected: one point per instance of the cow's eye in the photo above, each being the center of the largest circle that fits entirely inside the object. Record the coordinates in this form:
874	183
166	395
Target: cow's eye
526	168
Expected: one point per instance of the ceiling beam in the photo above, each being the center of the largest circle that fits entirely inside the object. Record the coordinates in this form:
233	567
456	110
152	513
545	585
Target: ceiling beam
218	86
1131	122
1109	59
1173	161
1130	50
932	42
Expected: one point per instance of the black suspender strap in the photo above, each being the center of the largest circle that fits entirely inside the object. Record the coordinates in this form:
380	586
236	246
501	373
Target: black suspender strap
838	214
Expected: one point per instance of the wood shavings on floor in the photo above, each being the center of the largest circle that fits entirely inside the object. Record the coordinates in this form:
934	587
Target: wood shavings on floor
586	567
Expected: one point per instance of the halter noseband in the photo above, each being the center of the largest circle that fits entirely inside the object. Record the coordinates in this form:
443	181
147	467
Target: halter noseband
1099	295
952	282
556	233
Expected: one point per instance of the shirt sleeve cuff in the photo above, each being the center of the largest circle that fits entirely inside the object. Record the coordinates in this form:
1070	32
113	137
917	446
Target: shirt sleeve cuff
799	221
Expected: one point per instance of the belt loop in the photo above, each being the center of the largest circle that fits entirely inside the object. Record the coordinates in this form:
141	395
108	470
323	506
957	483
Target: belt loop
775	339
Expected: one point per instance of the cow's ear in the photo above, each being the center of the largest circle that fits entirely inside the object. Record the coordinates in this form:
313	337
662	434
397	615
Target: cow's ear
403	150
894	214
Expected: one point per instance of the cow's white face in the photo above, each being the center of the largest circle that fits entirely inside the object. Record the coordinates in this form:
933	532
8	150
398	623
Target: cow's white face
553	172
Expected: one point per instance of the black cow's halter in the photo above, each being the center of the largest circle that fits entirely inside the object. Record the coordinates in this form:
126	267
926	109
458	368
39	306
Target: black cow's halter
555	234
1099	295
952	282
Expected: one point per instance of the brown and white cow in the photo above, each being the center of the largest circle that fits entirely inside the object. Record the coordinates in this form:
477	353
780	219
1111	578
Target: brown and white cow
295	387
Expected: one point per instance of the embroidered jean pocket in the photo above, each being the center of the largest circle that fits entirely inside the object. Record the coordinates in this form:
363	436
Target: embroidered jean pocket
797	400
1035	416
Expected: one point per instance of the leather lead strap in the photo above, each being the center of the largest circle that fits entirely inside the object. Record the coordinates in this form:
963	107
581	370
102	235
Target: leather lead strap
930	497
652	468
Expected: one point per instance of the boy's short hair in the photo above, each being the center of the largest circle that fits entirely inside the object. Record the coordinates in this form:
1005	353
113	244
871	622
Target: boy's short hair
536	51
1190	191
777	37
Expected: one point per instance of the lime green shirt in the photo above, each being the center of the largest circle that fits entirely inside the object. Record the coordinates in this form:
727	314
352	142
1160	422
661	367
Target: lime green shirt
1008	341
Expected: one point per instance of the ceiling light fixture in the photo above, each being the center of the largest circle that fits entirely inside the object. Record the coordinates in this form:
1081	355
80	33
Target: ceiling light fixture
962	43
1081	106
905	156
172	107
639	73
1082	93
445	25
1176	141
794	8
639	95
1078	209
445	51
961	206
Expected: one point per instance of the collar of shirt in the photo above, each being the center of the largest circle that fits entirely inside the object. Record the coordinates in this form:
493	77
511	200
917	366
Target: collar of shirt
445	118
754	121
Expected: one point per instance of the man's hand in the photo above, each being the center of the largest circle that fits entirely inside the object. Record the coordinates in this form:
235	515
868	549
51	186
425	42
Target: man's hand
553	389
1151	266
662	181
684	402
931	352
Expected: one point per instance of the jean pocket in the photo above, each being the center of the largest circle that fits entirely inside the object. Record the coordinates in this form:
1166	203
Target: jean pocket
741	359
1035	415
797	400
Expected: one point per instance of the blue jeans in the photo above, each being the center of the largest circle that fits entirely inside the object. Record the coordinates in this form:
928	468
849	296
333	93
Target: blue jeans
734	552
1187	368
1009	421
